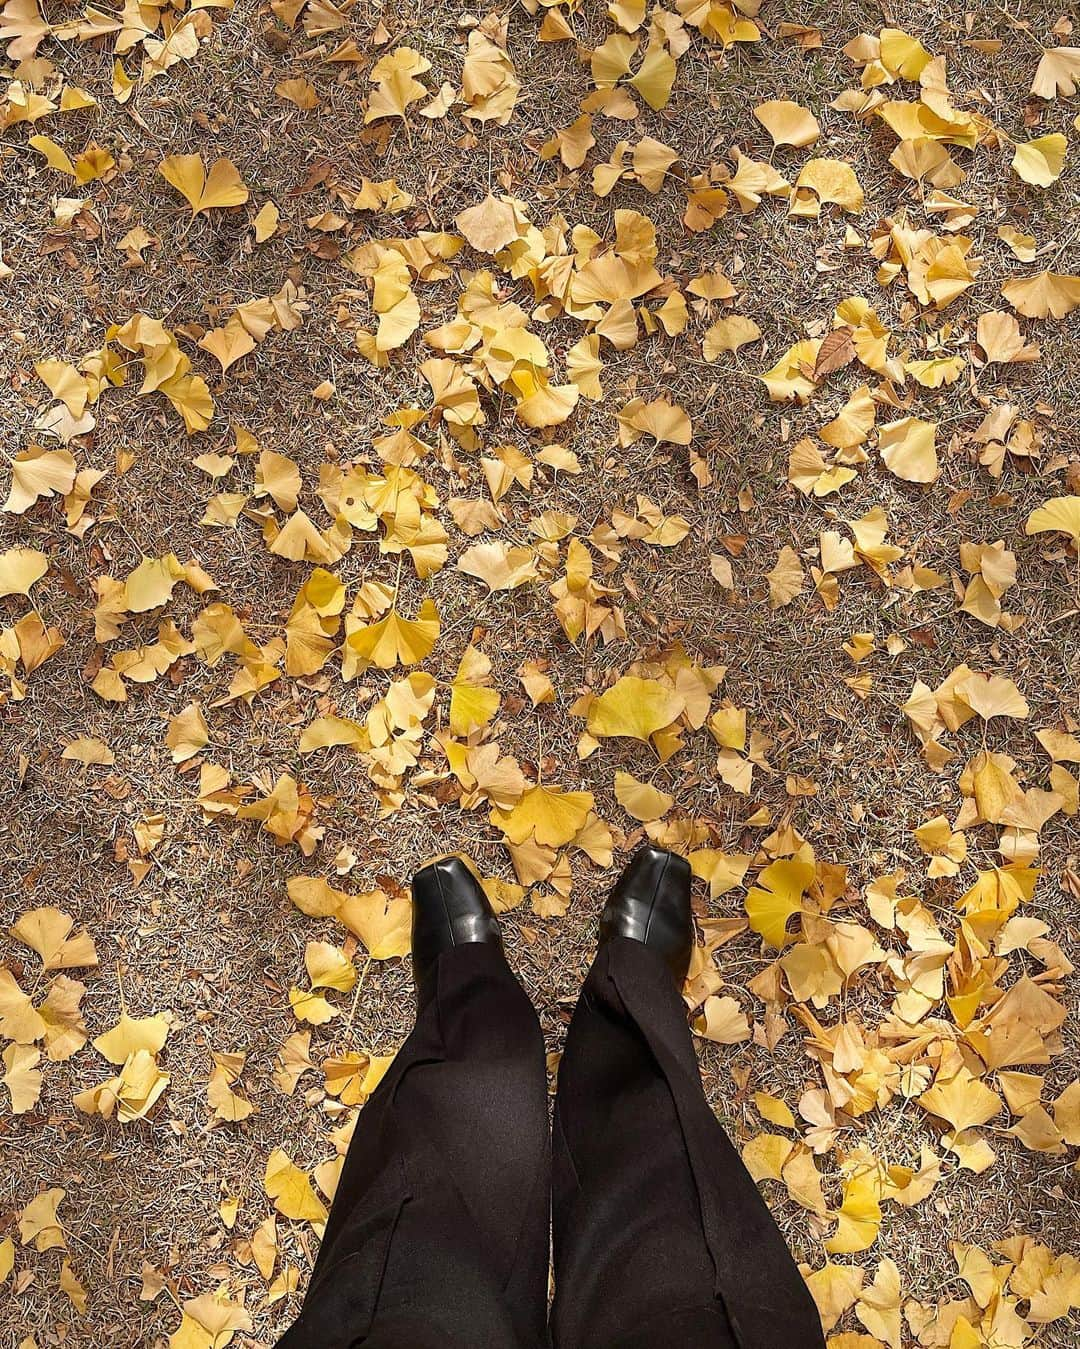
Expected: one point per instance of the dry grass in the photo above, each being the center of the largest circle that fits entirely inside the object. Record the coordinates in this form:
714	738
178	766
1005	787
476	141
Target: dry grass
210	934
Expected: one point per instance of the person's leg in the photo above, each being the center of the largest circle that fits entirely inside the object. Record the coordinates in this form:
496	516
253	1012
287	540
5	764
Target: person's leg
661	1236
438	1234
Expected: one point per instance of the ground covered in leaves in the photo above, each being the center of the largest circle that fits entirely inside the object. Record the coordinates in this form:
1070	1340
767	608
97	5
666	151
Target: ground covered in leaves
521	433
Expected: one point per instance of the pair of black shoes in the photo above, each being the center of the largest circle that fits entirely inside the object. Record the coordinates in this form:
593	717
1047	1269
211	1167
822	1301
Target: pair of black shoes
650	904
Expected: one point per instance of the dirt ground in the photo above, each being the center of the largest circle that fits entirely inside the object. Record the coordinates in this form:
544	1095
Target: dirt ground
209	935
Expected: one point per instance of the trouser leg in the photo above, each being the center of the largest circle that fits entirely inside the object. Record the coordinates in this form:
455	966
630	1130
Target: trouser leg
661	1236
439	1229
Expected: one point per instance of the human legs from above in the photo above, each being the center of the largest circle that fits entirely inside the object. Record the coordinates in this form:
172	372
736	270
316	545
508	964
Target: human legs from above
438	1234
661	1237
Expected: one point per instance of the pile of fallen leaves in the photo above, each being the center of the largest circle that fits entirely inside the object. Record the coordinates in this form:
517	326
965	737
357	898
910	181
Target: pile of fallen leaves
930	995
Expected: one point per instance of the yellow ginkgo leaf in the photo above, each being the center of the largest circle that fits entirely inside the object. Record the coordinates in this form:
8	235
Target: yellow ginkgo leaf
22	1077
39	1222
1044	295
723	871
188	733
132	1034
1058	515
859	1216
880	1302
641	799
728	334
774	1110
723	1021
395	84
788	123
47	930
635	708
309	1006
151	584
655	76
548	814
499	565
328	966
777	898
992	696
962	1100
229	344
57	158
222	186
395	640
826	180
661	419
290	1189
210	1322
266	222
20	569
89	750
1057	73
491	224
382	922
37	473
1040	161
472	703
909	449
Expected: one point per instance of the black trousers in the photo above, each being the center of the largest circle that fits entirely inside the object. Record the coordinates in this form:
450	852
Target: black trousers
438	1237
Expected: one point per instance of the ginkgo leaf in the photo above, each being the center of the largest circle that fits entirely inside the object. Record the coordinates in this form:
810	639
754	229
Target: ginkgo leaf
635	708
38	473
88	750
723	1021
641	799
47	931
39	1221
188	733
396	84
774	1110
992	696
909	449
655	76
210	1321
723	871
777	898
131	1035
1058	72
20	570
290	1189
394	640
472	703
152	582
328	966
21	1077
787	578
548	814
962	1100
1044	295
498	565
490	225
1040	161
728	334
203	191
859	1216
660	419
822	181
382	922
788	123
1058	515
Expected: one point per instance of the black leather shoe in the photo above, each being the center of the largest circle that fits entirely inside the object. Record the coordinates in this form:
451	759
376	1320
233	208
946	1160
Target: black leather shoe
651	904
449	909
